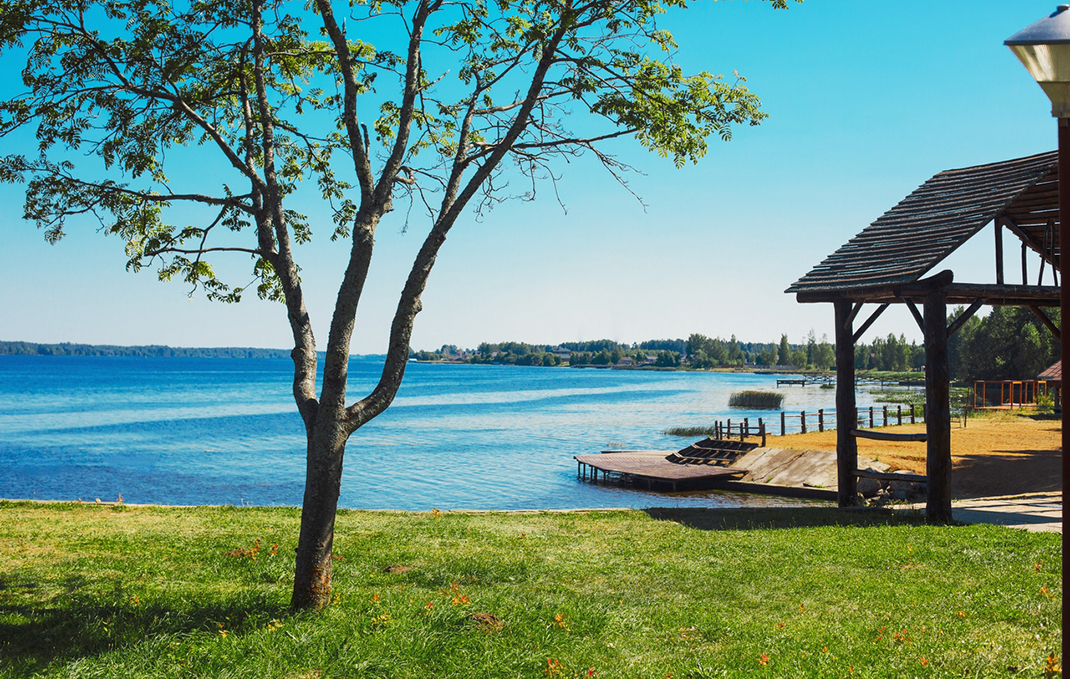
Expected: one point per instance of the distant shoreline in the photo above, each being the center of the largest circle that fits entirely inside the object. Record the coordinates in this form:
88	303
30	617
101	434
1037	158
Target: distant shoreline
8	348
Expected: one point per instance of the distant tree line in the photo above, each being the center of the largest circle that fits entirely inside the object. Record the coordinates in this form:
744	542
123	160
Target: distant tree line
891	354
1011	343
149	351
697	352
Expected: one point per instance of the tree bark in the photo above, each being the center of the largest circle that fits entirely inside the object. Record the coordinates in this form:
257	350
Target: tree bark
323	480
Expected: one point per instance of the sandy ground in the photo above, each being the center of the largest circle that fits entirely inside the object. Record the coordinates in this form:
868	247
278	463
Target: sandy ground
997	454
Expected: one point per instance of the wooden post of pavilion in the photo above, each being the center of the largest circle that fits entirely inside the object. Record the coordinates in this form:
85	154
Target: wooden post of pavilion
938	417
846	445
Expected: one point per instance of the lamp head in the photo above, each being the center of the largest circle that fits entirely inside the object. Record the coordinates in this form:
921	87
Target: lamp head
1044	49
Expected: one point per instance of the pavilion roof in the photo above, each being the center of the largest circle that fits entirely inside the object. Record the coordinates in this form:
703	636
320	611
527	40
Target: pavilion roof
1055	372
938	217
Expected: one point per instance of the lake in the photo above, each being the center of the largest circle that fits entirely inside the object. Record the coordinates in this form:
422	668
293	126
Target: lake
186	431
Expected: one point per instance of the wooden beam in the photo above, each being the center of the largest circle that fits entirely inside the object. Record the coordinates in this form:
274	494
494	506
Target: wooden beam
924	286
880	292
1047	249
854	313
998	226
917	314
1005	295
957	324
885	476
846	446
1047	322
938	409
1018	231
887	436
869	322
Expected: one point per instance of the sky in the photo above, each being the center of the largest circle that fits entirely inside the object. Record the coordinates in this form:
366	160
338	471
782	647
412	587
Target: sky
866	101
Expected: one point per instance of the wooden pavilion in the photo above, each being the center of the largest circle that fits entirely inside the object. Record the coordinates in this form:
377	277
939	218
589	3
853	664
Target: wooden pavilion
887	263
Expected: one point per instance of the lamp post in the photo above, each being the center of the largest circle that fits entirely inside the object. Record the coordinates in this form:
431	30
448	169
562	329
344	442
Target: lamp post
1044	49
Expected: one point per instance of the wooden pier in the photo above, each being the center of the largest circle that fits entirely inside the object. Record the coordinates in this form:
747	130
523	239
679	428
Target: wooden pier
650	468
803	381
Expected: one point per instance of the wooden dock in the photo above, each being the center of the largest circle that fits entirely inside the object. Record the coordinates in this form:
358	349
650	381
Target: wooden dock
650	468
802	381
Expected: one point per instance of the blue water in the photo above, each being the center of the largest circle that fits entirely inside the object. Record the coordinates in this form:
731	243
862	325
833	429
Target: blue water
226	431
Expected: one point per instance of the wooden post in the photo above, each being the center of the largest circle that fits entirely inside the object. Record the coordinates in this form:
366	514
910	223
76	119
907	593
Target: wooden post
912	407
821	419
899	412
802	418
885	410
938	415
1025	268
846	446
999	252
761	430
783	417
871	417
746	427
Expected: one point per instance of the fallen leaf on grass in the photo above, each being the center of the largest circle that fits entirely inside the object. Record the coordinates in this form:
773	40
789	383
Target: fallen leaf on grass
487	622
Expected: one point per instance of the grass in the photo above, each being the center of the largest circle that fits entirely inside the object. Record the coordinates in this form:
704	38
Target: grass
95	591
756	400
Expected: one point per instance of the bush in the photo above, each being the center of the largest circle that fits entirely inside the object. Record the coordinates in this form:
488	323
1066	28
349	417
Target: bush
756	400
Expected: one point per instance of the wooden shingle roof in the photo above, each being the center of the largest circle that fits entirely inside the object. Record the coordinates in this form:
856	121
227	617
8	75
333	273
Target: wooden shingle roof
938	217
1055	372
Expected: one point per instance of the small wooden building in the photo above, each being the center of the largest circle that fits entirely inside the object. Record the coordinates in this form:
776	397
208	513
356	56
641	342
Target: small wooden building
1054	378
890	262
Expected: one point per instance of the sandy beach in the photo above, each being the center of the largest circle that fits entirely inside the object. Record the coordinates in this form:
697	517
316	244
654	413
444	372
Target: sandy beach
992	455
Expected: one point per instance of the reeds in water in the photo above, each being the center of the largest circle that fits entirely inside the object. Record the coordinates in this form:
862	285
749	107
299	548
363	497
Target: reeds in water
690	431
756	400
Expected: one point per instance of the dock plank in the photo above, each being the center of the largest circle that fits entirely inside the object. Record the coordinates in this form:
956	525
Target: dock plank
655	466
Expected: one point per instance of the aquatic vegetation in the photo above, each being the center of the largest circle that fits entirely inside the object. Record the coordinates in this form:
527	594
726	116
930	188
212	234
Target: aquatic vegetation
756	400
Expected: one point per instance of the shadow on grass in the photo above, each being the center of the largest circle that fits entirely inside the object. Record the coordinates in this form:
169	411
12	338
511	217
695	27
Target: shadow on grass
782	517
1047	416
1007	472
36	638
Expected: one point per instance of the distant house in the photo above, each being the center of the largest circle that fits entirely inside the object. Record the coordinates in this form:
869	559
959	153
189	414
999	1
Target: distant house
625	360
563	354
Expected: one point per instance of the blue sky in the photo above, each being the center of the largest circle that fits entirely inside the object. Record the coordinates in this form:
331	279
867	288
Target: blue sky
865	102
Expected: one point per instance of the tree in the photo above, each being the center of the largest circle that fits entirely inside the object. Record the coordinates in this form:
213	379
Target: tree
811	348
667	359
798	358
473	94
735	354
783	351
824	354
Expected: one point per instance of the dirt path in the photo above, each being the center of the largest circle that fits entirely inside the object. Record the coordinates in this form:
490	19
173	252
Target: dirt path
998	454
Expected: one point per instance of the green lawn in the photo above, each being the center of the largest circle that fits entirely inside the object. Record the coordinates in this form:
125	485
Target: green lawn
97	591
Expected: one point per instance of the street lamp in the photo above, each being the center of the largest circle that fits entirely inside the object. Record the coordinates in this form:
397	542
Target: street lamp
1044	49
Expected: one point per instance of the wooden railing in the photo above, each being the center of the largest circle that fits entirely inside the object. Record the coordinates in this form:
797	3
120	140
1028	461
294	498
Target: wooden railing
882	414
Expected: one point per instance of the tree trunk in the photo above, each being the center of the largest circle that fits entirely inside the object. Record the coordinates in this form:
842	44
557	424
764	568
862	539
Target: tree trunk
312	575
